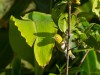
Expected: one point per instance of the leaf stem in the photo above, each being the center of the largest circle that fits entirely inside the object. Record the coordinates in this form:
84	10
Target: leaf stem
68	33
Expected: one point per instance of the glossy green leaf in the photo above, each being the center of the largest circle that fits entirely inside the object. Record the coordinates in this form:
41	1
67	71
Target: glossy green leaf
95	7
19	44
45	30
27	28
62	22
91	66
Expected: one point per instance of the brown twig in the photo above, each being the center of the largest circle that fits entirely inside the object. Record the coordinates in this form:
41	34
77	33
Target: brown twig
83	58
68	32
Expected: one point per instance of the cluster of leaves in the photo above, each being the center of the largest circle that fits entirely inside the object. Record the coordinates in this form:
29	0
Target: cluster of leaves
28	46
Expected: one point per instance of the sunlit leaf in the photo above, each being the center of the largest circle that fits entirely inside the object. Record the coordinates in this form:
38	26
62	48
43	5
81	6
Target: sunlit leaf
19	44
52	74
95	7
45	30
27	28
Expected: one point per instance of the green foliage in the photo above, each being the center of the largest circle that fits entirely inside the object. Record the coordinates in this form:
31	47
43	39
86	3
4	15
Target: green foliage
6	54
23	27
45	30
33	31
30	37
91	68
62	24
16	66
19	45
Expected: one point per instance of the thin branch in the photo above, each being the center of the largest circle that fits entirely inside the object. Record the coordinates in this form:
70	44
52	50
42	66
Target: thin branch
82	60
85	56
68	32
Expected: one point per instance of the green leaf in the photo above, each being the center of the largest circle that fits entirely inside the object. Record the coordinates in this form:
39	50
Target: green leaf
86	7
6	53
93	42
27	28
62	22
73	21
91	66
18	43
73	36
58	9
89	28
83	25
96	28
52	74
74	70
95	7
87	15
42	52
45	30
55	15
16	66
2	73
83	36
6	72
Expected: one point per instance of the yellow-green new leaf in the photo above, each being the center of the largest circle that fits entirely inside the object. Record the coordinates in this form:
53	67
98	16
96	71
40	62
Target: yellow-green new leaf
96	7
45	30
27	28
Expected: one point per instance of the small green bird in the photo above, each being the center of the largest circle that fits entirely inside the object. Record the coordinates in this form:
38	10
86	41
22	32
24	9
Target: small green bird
61	45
